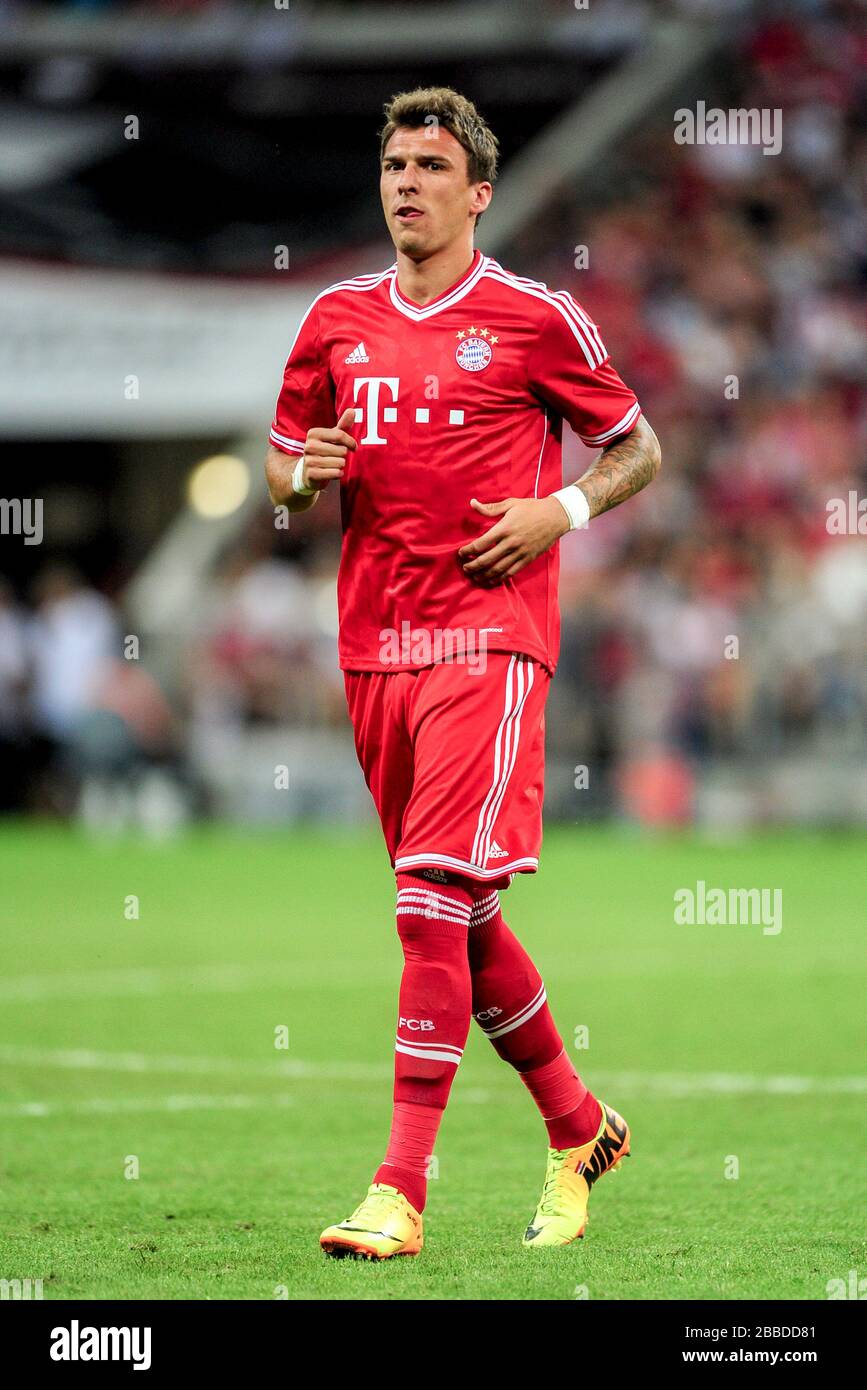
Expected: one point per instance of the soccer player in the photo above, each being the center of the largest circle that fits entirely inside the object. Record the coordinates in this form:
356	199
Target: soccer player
434	393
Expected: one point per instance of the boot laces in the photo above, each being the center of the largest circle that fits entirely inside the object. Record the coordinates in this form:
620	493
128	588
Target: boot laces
376	1206
553	1186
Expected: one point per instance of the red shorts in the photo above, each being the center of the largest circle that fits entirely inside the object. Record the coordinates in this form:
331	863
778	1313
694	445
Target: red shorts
455	762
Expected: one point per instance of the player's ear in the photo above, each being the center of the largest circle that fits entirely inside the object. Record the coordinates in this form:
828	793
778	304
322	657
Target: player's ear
482	194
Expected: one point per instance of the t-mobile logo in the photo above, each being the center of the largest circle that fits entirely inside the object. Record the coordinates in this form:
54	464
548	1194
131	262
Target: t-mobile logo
369	414
369	390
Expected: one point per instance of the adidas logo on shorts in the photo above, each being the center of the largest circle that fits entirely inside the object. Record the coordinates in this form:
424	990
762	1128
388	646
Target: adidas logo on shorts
495	852
358	354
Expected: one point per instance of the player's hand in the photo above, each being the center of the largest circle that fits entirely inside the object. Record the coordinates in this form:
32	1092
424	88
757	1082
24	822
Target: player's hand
325	451
528	526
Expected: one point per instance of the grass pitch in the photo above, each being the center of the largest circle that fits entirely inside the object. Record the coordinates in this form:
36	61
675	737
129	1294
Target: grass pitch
158	1145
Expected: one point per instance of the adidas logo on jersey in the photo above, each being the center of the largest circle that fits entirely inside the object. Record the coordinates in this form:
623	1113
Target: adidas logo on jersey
495	852
358	354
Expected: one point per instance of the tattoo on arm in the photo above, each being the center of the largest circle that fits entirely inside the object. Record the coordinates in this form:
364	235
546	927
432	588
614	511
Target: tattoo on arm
622	469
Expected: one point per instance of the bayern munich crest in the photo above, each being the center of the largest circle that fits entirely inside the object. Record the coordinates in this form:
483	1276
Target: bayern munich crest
474	351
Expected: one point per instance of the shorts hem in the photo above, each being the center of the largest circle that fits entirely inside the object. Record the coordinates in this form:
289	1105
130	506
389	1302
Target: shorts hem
527	865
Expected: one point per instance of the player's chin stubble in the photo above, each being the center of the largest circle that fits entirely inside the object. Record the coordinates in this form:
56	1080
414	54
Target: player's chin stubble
410	243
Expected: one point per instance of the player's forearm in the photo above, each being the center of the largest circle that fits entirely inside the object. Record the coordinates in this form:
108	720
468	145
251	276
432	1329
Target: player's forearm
622	469
279	468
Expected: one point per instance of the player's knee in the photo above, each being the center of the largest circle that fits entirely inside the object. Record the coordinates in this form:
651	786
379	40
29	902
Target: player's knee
423	909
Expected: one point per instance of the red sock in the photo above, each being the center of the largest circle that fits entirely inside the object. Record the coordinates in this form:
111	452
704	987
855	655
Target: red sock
433	1023
510	1006
554	1088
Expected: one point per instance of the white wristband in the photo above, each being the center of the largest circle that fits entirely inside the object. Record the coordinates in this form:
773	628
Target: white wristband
298	485
575	505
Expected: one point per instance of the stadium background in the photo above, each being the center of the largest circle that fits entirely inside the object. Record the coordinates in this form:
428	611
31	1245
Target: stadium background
178	181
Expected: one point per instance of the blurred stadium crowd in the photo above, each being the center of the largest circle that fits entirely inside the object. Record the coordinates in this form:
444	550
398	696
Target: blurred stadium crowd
715	626
728	268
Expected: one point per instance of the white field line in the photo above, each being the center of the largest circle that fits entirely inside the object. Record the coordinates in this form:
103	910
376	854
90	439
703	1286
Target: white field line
237	977
86	1059
631	1084
143	981
170	1105
674	1085
637	1082
127	1105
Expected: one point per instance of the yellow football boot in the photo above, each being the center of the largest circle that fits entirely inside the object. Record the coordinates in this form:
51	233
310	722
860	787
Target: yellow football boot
561	1215
385	1224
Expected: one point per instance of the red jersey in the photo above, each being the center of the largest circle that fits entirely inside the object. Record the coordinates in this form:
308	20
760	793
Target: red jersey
462	397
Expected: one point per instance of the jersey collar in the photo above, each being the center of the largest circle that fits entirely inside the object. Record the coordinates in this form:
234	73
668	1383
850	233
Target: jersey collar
443	301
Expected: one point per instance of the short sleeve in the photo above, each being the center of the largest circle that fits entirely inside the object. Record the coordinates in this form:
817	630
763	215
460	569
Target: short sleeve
569	369
306	397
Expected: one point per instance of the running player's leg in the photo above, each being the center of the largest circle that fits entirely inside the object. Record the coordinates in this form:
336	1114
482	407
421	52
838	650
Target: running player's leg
510	1006
384	1223
432	1027
435	992
447	828
476	808
432	923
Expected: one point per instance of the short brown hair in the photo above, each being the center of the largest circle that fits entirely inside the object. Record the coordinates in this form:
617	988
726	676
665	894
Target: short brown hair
457	114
